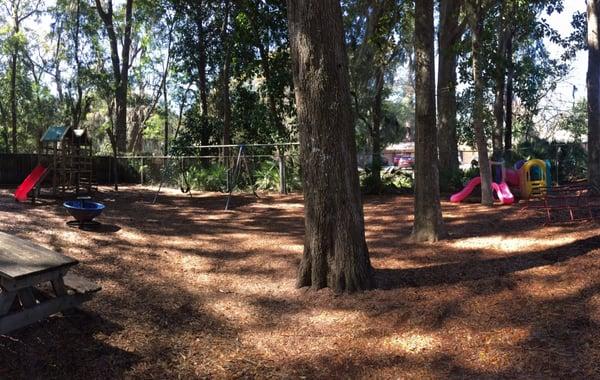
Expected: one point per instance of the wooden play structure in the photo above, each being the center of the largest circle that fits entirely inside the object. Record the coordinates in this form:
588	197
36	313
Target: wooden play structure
67	153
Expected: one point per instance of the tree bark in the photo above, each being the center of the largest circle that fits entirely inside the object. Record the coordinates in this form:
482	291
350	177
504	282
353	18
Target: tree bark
499	92
13	81
335	250
478	107
509	96
202	79
225	79
120	66
428	223
593	94
450	33
375	130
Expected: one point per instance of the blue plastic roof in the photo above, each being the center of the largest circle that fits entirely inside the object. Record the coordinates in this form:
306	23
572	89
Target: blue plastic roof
55	133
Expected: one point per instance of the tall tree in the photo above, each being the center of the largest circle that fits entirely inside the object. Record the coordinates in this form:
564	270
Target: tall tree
335	250
19	11
120	65
428	224
477	11
593	93
380	35
450	32
503	34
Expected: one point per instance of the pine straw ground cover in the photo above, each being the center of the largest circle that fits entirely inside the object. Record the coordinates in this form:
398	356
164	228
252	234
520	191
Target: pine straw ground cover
191	291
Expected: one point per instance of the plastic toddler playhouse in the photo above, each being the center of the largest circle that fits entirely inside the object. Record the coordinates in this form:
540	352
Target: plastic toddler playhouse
530	178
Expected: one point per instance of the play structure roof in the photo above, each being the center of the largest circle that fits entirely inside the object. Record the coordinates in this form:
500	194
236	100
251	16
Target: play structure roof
55	133
58	133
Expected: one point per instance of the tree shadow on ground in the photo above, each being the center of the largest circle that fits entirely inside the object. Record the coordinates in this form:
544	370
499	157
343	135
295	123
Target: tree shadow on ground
477	269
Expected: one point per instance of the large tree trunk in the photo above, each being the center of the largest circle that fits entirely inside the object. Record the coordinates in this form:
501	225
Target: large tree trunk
509	97
450	33
478	107
593	94
428	224
335	250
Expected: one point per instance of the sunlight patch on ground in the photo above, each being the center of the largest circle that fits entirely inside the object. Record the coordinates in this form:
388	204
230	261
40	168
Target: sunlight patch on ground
413	342
234	311
332	318
510	244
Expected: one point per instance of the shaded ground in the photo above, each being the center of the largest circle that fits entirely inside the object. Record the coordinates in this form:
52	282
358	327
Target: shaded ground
191	291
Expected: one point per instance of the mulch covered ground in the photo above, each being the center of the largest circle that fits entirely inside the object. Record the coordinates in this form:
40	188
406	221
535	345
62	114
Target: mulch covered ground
192	291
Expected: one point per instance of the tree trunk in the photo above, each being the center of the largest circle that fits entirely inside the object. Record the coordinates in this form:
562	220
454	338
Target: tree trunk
335	250
478	107
500	87
375	130
428	223
120	69
13	82
225	79
166	128
593	94
13	101
450	33
509	97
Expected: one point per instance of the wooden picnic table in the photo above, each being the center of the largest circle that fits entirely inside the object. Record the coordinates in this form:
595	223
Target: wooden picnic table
25	268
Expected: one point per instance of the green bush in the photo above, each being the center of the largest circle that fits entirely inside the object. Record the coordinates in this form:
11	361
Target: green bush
267	176
211	178
391	182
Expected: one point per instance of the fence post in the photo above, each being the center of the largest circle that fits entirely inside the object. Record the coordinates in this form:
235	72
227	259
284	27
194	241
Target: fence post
142	172
282	179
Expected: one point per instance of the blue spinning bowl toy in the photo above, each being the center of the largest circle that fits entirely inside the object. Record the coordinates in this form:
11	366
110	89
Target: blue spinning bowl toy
84	211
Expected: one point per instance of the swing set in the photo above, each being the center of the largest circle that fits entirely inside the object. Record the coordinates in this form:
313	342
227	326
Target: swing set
241	172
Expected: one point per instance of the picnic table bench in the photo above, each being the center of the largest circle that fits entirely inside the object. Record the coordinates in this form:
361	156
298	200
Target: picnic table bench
26	269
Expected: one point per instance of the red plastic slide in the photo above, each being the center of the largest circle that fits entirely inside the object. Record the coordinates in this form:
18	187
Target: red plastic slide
32	179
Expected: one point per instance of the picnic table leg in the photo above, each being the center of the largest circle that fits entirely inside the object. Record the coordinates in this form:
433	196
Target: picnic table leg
26	297
58	285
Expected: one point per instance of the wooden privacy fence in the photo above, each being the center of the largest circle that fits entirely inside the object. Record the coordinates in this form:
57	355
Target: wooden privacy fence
15	167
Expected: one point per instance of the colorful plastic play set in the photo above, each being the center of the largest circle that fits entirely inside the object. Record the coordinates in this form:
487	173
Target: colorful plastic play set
528	179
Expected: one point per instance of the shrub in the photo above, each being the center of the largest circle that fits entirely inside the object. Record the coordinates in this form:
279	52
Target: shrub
211	178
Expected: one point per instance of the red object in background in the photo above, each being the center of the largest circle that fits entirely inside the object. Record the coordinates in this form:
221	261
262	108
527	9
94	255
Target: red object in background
32	179
404	161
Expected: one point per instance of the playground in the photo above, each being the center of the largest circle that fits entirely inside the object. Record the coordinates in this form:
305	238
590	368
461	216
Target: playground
190	290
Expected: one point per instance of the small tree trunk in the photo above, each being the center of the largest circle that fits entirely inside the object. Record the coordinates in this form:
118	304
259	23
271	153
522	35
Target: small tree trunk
478	104
375	130
13	80
448	37
335	250
166	128
509	96
500	87
593	94
428	224
13	101
225	79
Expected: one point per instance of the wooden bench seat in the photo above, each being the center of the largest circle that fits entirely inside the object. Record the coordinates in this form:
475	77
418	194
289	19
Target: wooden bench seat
80	285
